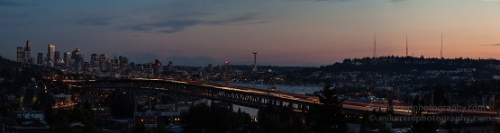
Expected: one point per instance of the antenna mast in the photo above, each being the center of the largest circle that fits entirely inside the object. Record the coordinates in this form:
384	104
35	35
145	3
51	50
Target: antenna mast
374	46
441	52
407	44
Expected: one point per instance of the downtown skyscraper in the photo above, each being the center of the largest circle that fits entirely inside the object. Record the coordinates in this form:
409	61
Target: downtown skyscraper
51	52
77	59
67	60
27	53
40	60
20	54
24	54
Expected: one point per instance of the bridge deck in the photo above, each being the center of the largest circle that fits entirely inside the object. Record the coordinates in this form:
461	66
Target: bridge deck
283	96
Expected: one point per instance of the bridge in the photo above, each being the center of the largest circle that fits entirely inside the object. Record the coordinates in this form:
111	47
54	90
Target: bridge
244	96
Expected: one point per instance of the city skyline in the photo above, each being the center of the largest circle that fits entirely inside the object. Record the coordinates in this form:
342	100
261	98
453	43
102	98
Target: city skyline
286	32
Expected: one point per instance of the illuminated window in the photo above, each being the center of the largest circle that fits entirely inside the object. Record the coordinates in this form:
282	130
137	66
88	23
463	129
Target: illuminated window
142	120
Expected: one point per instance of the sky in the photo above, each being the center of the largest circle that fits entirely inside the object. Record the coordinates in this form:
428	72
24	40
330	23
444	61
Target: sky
283	32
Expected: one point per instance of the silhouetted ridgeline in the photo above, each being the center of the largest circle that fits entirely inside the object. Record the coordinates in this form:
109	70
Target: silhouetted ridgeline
406	64
4	62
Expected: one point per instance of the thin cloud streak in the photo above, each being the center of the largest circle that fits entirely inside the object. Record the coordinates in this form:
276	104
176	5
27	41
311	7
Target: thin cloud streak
491	44
174	26
94	21
396	0
8	3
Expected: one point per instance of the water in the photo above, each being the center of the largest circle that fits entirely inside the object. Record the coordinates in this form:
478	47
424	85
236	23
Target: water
283	88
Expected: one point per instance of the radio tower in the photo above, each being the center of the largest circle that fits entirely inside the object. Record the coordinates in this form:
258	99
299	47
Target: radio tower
374	46
441	52
406	44
254	69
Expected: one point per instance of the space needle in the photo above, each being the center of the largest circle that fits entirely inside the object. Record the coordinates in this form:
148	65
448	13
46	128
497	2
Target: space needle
255	61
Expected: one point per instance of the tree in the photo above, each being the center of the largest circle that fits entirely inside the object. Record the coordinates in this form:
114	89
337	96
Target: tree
160	128
36	105
439	98
368	124
61	121
49	114
197	119
121	105
81	115
90	128
422	126
271	123
139	128
330	114
217	117
449	126
418	105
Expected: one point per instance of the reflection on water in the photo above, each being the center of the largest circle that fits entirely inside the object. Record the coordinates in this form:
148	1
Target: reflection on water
283	88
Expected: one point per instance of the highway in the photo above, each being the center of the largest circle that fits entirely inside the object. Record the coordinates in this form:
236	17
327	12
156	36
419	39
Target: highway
284	95
354	105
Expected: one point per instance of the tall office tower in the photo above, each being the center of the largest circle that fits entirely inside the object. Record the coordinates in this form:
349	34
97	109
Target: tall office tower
123	63
94	57
119	60
170	66
28	45
103	57
39	59
103	62
82	60
57	59
115	64
158	68
210	67
86	66
27	53
51	52
77	57
254	61
94	60
20	54
132	65
67	60
27	58
219	68
57	55
109	66
139	67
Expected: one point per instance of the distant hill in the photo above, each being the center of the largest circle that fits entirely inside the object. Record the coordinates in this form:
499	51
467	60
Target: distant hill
4	62
405	64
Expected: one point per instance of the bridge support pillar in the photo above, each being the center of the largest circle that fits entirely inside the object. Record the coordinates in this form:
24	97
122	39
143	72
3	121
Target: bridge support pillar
303	109
260	101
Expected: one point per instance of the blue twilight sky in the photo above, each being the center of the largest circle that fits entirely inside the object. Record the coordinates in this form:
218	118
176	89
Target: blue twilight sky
284	32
